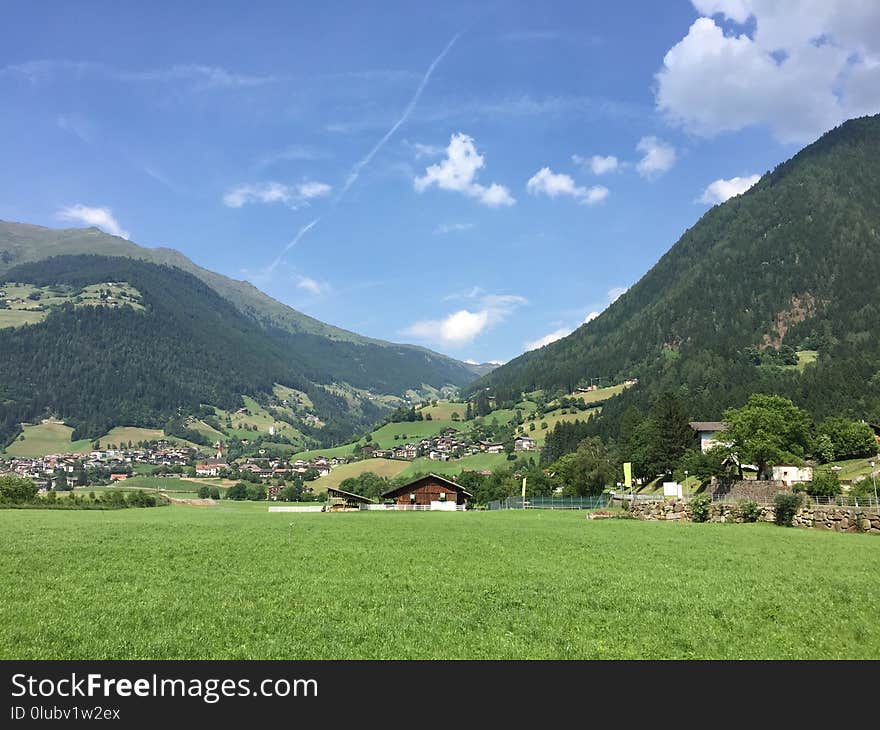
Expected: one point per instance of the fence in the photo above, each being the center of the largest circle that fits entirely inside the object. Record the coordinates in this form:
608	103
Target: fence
653	497
840	500
434	506
601	500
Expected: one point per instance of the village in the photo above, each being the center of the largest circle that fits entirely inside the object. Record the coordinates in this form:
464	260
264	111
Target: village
112	465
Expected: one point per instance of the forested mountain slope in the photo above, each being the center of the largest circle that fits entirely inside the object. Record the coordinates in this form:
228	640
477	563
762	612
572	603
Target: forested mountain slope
22	243
182	346
792	263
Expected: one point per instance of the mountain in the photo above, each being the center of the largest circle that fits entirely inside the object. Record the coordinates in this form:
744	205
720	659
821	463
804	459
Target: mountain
22	243
792	264
113	341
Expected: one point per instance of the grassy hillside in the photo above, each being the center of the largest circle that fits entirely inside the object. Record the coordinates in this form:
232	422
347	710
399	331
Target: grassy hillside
47	438
383	467
410	432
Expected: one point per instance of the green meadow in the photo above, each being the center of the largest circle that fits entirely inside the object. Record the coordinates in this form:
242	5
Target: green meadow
47	438
233	581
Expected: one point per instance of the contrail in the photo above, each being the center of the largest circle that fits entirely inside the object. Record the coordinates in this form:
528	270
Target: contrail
356	170
302	231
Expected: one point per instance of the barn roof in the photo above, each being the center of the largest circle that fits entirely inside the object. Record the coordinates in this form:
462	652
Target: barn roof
448	482
333	491
707	425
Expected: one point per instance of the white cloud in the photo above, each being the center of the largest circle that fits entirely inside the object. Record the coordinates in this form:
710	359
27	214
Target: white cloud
457	172
444	228
311	285
597	164
100	217
200	76
546	182
797	66
455	329
426	150
548	338
721	189
462	326
591	316
274	192
310	190
615	293
659	157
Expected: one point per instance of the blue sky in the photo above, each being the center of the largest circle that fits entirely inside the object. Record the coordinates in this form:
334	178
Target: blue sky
476	178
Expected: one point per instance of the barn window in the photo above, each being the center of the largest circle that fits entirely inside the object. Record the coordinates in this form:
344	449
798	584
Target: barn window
442	496
412	497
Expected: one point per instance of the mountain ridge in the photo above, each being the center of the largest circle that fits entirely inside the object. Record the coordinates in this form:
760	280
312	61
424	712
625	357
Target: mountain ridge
798	248
26	242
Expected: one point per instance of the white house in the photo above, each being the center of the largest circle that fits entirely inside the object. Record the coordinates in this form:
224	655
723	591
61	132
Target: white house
792	474
707	432
525	443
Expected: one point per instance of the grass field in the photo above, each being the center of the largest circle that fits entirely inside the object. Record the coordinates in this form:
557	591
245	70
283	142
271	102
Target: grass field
476	462
444	409
852	468
597	396
344	450
551	419
414	431
47	438
18	317
121	435
235	582
806	357
383	467
54	438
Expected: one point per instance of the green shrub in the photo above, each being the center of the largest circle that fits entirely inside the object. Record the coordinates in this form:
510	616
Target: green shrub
750	511
700	505
825	484
785	505
204	491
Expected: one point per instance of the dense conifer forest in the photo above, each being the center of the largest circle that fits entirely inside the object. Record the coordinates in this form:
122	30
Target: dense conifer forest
793	264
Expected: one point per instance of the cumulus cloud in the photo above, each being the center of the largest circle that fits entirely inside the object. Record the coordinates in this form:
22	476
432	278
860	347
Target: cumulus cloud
274	192
546	182
799	67
457	172
658	157
548	338
721	189
463	325
597	164
100	217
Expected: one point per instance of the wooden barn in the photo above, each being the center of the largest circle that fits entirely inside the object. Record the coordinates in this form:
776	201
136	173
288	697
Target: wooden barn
339	499
429	492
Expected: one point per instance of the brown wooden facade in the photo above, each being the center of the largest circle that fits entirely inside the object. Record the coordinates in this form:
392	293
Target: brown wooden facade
427	489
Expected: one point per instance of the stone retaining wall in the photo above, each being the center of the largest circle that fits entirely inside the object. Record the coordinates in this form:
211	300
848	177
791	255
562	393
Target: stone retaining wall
759	490
824	517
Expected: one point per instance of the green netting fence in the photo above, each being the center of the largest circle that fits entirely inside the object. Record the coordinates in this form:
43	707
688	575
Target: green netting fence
601	500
